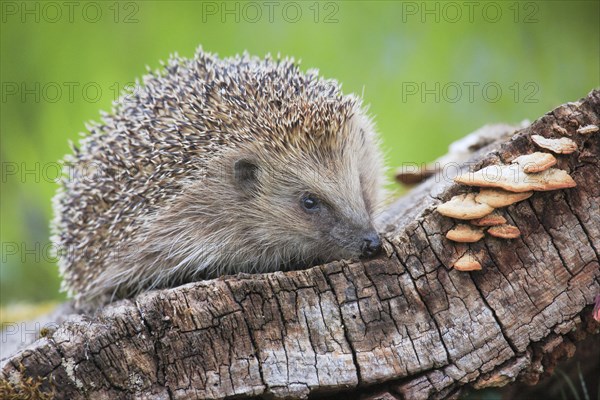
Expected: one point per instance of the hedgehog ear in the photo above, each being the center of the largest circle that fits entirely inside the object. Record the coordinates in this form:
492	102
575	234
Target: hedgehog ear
245	172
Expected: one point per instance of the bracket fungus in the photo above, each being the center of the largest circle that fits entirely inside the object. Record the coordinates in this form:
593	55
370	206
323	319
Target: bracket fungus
499	198
535	162
465	234
560	146
467	263
414	175
501	186
489	220
513	178
464	206
586	130
504	231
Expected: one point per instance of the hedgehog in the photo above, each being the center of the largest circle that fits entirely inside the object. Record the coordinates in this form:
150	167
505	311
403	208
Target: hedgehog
217	166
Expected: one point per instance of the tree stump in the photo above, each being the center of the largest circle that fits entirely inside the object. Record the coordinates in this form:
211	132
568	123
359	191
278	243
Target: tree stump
404	325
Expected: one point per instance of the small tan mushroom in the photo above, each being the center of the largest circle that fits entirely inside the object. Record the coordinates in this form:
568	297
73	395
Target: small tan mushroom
535	162
499	198
489	220
464	206
560	146
467	263
505	231
514	179
586	130
465	234
412	176
559	129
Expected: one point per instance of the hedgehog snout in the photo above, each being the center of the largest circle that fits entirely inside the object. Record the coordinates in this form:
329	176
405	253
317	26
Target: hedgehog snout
371	245
355	242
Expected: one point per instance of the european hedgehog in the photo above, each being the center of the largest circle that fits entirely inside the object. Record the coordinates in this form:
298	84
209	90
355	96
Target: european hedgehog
216	166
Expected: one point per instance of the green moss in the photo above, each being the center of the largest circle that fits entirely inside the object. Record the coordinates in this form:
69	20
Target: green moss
28	388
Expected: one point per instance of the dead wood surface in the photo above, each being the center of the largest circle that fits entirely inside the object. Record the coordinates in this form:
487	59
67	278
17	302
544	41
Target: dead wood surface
404	325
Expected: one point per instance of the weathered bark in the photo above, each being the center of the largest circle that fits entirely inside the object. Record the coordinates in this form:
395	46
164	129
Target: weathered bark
404	325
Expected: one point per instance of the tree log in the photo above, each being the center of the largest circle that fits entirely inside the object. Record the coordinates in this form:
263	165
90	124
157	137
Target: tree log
404	325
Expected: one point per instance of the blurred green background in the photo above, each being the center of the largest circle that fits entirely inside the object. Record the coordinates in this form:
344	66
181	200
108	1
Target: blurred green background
431	72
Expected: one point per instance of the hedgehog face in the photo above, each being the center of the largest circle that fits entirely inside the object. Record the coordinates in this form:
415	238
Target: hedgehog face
323	219
343	232
318	206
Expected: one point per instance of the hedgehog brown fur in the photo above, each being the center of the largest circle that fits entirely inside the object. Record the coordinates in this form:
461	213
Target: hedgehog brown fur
216	166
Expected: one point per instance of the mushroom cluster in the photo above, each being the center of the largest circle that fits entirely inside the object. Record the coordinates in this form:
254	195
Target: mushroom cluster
501	186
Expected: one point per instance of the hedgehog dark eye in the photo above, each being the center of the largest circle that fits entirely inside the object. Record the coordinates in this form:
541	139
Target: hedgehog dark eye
310	202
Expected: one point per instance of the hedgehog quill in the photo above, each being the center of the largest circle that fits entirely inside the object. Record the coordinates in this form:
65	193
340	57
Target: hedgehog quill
216	166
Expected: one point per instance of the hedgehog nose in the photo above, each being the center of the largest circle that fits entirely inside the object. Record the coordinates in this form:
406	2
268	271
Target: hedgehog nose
371	245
